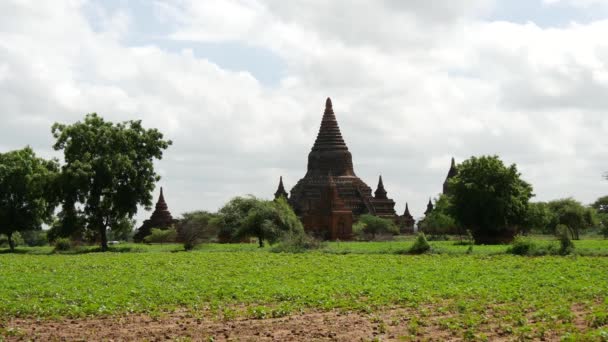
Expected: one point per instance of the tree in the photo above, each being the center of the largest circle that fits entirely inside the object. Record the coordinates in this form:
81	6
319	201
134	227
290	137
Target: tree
601	207
28	197
573	215
252	217
374	225
108	170
538	218
489	198
440	221
196	227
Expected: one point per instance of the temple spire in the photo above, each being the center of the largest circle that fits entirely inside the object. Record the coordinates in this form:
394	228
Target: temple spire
451	173
429	207
329	137
329	151
406	213
161	205
380	192
280	190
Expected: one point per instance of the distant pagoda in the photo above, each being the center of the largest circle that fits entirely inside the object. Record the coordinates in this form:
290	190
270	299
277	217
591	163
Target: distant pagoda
280	190
406	221
330	165
161	218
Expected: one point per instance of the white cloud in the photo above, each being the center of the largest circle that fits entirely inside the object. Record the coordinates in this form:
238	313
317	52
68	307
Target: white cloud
412	84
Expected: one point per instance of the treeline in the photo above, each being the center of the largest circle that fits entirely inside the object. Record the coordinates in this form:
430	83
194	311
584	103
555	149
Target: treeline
492	201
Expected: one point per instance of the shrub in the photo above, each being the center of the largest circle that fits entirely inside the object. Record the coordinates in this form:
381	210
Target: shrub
565	244
522	245
369	226
62	244
295	242
161	236
420	246
195	228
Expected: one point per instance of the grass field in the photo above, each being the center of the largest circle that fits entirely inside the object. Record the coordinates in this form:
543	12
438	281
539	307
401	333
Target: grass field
519	296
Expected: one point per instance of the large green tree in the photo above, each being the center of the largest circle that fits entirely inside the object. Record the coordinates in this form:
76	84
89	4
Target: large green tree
245	217
489	198
108	170
28	194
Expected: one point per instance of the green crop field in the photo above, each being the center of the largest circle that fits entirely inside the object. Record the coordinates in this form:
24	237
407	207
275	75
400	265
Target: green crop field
520	296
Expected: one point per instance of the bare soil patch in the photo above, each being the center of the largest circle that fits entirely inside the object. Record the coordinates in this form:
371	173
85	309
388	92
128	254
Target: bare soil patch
397	324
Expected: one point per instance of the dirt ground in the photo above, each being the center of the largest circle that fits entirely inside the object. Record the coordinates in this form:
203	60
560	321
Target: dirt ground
389	325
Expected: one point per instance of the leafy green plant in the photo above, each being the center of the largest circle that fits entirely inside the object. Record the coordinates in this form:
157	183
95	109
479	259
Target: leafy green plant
294	242
161	235
420	246
63	244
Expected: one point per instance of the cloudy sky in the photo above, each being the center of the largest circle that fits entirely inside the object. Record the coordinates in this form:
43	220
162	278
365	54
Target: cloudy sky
239	86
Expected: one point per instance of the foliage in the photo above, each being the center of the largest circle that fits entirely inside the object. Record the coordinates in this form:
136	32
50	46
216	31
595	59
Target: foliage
489	198
196	227
161	236
538	218
297	242
63	244
28	197
565	244
34	238
252	217
420	246
523	245
122	230
440	221
108	171
370	225
572	214
502	293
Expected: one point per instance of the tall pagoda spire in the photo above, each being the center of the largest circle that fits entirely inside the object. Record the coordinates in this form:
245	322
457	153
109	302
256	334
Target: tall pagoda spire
406	213
429	207
451	173
281	190
329	152
380	192
161	205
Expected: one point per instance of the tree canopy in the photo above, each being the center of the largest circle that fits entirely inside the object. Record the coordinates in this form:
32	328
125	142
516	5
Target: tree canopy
373	225
573	215
28	197
440	220
489	198
108	170
245	217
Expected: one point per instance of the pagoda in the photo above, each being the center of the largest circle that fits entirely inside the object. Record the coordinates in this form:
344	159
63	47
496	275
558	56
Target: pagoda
330	166
406	221
280	190
161	218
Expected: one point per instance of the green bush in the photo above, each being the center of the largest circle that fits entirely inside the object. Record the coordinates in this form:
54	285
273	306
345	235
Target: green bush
522	245
420	246
62	244
565	244
161	236
294	242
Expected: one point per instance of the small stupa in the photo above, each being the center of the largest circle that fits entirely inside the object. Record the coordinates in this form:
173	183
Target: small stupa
161	218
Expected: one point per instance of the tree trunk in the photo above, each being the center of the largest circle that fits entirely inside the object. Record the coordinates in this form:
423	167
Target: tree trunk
11	243
260	241
104	238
